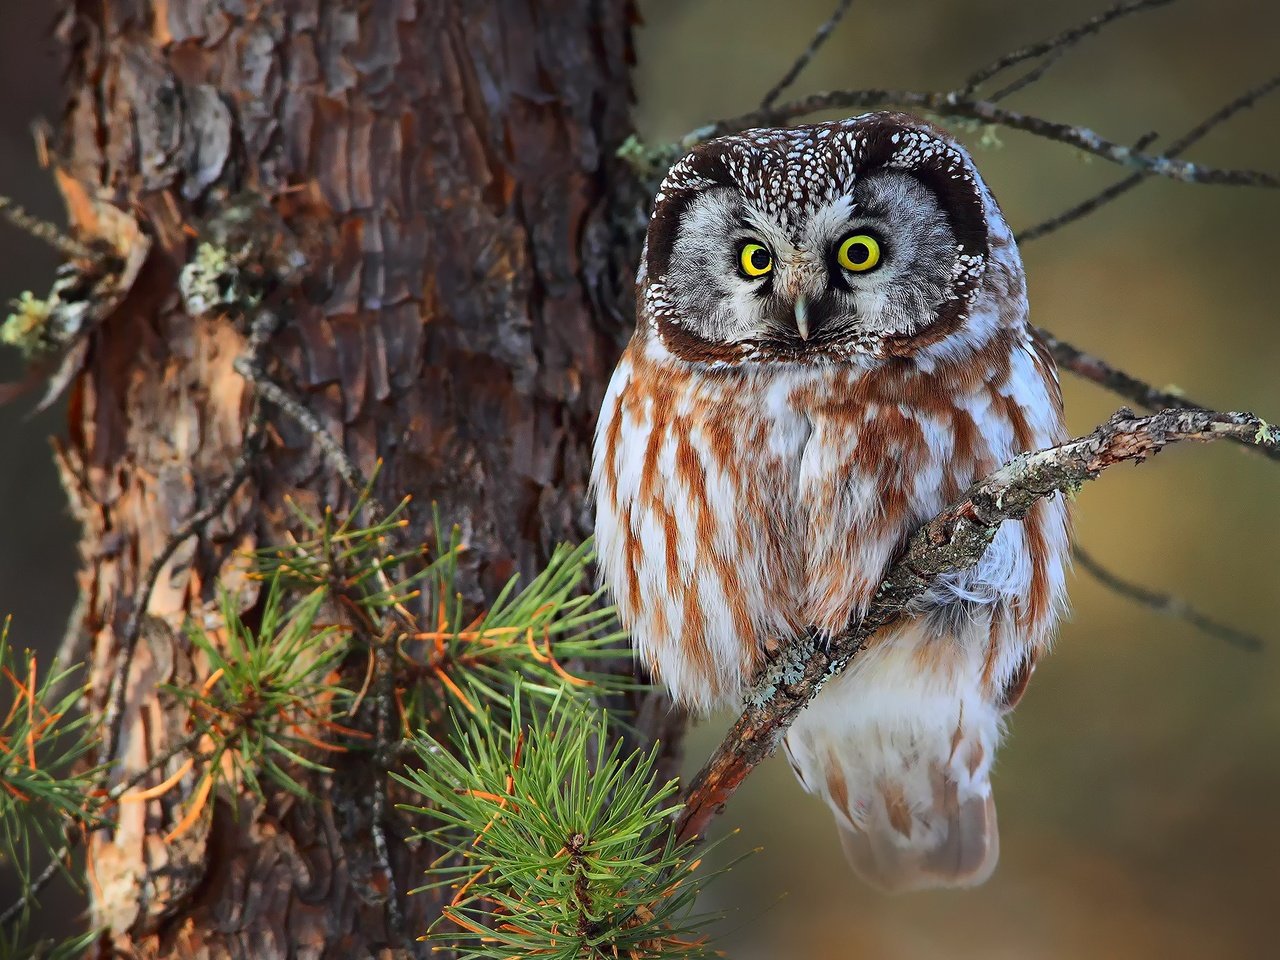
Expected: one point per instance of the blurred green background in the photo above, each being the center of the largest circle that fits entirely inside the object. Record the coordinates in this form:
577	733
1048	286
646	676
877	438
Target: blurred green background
1139	790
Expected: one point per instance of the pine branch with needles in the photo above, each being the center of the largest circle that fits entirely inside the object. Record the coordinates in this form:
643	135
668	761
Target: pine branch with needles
282	690
557	841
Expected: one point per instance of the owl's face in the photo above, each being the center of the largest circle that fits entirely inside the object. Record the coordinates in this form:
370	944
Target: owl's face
862	238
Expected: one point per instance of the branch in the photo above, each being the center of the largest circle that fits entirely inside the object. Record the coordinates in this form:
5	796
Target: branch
192	526
276	395
1055	46
1028	78
45	231
249	365
1102	373
54	867
1164	603
953	540
953	105
1176	149
802	61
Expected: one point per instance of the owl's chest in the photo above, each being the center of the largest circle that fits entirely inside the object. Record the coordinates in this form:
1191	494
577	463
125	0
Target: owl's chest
811	481
823	453
733	507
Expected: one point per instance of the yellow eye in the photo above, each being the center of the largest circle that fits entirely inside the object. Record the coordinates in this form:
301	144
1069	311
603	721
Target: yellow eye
755	259
859	253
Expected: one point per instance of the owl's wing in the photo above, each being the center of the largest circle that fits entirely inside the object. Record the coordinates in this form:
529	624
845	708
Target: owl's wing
1045	364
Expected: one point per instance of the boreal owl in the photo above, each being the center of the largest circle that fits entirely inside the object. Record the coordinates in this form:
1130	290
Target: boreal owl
832	344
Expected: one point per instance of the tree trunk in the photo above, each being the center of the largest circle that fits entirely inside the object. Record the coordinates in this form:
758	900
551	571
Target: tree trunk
426	193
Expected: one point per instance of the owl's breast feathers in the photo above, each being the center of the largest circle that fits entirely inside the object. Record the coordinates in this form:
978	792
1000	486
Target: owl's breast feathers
739	506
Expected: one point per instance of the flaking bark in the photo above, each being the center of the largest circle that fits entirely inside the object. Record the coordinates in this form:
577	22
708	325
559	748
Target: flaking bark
429	194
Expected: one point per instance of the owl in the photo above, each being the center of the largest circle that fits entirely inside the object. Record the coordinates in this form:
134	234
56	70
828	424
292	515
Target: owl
832	344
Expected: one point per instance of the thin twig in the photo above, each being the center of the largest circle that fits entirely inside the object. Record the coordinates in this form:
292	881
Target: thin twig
1056	44
1030	77
1177	148
261	330
192	526
802	61
52	869
949	104
1099	371
275	394
953	540
44	231
250	367
1164	603
382	724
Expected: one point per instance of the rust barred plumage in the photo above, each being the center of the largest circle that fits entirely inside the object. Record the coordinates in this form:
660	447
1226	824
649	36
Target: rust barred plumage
783	420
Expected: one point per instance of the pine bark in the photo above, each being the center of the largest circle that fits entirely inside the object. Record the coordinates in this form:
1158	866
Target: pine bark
449	241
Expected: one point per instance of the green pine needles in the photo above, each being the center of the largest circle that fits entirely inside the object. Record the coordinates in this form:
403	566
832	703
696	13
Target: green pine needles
272	693
41	741
45	792
558	841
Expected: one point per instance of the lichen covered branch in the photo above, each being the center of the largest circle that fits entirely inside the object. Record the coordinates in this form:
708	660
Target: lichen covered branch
1099	371
953	540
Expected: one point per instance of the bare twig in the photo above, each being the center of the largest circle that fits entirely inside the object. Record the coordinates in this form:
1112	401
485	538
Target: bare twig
261	330
192	526
802	61
37	884
953	540
1164	603
250	367
1146	140
1099	371
1056	44
1030	77
1176	149
51	870
275	394
377	815
44	231
951	105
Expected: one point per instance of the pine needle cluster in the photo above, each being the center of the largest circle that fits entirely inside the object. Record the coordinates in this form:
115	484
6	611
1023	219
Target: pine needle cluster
272	693
44	791
556	840
41	740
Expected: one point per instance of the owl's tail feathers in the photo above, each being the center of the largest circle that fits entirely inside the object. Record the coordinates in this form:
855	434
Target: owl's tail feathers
909	783
959	846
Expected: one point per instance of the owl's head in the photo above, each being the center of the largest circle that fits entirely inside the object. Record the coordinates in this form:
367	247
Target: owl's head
866	238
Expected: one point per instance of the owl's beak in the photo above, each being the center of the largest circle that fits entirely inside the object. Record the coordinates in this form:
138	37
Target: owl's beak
802	316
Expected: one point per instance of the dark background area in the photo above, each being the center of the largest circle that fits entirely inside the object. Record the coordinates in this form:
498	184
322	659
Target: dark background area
1138	787
37	534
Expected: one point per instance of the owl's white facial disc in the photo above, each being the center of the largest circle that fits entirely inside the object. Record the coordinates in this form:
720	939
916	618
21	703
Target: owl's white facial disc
862	238
901	296
707	283
898	296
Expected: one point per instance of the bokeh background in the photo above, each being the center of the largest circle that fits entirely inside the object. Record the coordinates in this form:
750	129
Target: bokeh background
1139	790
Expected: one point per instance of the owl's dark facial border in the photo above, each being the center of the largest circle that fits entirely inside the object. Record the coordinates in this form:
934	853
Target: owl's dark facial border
952	183
960	198
707	163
